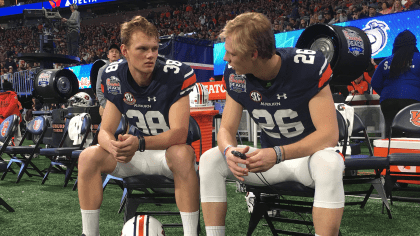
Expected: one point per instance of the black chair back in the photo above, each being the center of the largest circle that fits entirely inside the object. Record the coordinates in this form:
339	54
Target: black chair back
122	129
342	131
194	133
8	128
407	120
85	129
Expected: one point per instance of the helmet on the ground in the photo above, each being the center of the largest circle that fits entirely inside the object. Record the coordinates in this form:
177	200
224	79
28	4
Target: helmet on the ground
143	225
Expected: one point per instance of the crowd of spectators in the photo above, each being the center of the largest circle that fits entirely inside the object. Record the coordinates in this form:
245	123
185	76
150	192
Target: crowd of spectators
199	20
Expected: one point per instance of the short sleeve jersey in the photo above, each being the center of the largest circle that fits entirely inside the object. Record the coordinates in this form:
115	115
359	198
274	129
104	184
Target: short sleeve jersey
147	108
282	109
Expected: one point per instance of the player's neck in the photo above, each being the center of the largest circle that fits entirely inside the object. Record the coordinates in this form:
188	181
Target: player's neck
268	69
142	79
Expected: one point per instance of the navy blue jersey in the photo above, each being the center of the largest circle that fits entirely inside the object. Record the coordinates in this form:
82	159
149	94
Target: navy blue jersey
147	108
282	110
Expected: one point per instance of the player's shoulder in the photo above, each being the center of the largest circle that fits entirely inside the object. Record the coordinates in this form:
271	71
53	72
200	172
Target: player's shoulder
174	69
301	56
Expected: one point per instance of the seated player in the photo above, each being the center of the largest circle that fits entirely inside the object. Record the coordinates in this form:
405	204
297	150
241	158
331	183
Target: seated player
286	92
153	94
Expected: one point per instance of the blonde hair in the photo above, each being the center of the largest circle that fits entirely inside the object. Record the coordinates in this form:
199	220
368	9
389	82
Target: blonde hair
249	32
137	23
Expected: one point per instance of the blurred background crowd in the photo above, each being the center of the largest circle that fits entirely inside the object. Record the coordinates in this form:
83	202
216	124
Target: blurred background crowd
197	19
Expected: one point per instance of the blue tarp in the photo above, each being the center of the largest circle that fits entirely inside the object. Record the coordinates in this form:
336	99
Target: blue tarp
194	52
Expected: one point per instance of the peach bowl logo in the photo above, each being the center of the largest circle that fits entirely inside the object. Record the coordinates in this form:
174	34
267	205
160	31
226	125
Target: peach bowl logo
37	124
4	129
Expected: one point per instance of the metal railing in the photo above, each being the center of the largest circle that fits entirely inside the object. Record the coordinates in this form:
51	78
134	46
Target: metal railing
22	81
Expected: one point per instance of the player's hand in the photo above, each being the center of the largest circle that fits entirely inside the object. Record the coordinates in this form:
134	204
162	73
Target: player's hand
261	160
233	162
63	19
124	148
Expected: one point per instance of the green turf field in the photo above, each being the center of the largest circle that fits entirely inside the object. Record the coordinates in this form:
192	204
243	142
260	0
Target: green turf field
50	209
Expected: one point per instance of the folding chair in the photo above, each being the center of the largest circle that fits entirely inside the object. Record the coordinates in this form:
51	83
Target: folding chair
66	148
406	121
122	129
154	186
38	126
7	130
3	167
363	162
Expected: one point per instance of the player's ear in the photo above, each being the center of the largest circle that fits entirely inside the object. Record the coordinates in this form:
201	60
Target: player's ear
254	55
124	50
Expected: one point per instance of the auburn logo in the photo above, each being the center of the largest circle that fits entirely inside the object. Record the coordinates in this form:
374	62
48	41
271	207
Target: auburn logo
37	124
4	129
415	117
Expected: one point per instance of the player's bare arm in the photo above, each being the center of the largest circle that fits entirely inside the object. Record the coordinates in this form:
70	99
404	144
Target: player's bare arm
109	125
227	136
324	118
179	115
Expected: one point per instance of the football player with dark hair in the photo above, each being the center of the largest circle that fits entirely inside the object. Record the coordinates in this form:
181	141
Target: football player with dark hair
114	53
286	93
153	94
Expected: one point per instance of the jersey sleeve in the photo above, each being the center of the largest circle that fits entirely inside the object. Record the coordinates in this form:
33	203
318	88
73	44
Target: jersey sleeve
111	84
312	74
183	82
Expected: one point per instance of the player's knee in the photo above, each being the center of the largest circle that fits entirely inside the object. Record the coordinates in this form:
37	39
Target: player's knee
89	158
180	158
327	166
209	163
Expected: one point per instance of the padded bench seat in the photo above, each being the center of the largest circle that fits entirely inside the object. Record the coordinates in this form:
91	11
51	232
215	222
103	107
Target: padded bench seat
355	163
21	149
57	151
146	181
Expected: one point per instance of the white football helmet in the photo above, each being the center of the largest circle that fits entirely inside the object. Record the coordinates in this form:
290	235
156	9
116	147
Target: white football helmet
199	97
80	99
143	225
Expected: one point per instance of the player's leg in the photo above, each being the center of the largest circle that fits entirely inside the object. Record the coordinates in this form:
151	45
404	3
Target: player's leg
92	162
329	189
181	161
213	173
326	169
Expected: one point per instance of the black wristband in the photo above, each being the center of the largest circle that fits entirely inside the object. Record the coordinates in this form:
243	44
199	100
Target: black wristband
142	143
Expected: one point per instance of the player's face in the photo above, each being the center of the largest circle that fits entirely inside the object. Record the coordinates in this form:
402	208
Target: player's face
240	63
113	55
142	53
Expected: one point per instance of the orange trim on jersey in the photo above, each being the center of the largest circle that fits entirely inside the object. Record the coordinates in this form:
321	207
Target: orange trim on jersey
140	223
188	82
102	88
325	76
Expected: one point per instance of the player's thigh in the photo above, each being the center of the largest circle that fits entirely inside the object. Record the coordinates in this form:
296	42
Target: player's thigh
97	157
296	170
149	162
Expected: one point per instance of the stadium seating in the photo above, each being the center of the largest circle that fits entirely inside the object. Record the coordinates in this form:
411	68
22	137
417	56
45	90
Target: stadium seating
406	121
37	126
65	149
156	189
